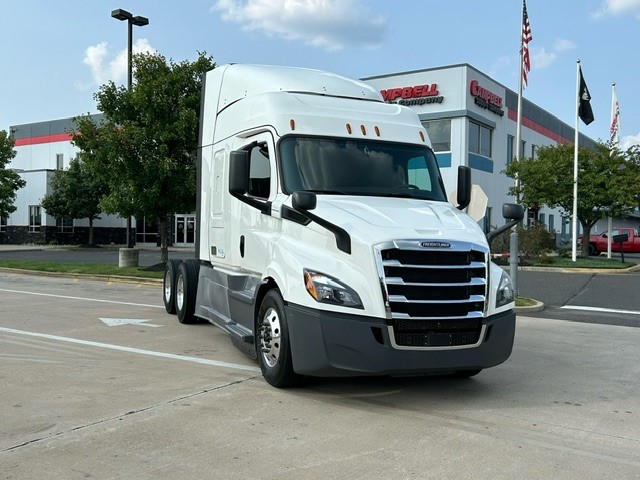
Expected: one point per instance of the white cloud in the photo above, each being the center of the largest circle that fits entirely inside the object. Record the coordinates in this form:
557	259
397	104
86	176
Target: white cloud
540	58
330	24
618	7
96	57
629	140
562	45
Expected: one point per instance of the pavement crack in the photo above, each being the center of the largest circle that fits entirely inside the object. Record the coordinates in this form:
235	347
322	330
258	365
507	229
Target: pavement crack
126	414
579	292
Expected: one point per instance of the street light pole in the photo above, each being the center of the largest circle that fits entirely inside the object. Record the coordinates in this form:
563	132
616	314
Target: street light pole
138	21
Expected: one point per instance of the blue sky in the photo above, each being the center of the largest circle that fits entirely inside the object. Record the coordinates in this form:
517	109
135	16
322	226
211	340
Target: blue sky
54	55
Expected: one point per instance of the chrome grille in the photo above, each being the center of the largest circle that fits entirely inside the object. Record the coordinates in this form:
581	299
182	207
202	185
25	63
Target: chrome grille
436	296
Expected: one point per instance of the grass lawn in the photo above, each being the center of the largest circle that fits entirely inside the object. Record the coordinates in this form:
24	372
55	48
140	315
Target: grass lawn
582	262
82	268
525	302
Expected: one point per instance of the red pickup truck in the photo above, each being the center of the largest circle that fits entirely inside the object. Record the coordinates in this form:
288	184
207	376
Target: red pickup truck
598	243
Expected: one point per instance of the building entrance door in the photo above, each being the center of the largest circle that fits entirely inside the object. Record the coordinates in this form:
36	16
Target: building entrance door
185	230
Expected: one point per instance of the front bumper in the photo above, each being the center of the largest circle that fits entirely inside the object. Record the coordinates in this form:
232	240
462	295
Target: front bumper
329	344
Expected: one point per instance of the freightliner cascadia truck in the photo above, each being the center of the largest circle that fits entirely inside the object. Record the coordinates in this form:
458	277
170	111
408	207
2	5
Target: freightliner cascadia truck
325	243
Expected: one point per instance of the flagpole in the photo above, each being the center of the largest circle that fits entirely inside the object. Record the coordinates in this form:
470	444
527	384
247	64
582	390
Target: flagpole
613	116
574	225
519	117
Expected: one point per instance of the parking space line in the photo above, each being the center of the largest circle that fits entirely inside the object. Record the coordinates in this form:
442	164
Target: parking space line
171	356
80	298
600	309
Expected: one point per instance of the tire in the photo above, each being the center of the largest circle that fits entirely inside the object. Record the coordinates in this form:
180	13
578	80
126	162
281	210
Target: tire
169	286
185	291
272	342
592	249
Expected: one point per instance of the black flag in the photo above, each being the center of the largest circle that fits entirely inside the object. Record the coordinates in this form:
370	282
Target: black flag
584	109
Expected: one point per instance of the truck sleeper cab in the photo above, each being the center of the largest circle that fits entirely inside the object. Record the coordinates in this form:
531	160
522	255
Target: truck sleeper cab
326	245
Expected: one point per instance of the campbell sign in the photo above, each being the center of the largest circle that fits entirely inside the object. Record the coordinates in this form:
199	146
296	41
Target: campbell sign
415	95
485	98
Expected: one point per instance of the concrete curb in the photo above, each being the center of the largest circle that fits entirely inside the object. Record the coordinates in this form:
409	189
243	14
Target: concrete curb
632	269
539	306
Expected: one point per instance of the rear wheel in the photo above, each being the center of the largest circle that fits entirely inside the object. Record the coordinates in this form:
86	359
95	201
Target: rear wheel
272	342
185	291
169	286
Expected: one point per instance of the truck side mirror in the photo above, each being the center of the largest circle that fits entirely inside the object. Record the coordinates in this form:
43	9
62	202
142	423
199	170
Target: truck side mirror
512	211
304	200
238	172
464	187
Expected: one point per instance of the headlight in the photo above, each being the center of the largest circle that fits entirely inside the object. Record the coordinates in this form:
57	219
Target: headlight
325	289
505	293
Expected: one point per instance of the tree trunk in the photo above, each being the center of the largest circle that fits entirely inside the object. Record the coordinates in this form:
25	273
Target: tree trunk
164	239
90	231
586	234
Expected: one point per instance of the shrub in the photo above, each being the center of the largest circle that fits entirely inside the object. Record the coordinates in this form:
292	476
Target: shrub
533	240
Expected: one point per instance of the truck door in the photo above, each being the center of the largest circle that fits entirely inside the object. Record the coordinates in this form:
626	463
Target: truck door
217	235
257	229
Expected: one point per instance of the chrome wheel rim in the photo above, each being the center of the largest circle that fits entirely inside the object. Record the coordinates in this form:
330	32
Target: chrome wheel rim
167	286
180	292
270	337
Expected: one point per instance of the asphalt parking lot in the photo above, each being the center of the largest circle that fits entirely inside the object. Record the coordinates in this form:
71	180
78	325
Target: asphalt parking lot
99	382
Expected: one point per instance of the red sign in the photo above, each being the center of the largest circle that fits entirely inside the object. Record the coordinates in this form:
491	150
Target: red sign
485	98
415	95
410	92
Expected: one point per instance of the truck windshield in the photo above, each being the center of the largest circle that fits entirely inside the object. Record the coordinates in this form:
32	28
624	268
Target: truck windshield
360	167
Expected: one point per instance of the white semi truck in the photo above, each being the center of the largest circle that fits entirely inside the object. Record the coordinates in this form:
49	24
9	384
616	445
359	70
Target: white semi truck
326	245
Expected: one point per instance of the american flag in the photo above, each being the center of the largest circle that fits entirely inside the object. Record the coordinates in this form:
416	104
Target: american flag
614	130
526	38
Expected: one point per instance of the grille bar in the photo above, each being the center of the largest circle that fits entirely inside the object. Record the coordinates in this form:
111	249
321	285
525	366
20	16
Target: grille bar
395	263
399	281
403	299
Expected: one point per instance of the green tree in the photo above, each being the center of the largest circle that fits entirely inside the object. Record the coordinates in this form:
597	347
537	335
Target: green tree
145	148
607	182
76	193
10	181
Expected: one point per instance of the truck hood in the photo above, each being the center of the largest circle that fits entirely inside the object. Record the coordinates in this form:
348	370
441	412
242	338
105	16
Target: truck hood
372	220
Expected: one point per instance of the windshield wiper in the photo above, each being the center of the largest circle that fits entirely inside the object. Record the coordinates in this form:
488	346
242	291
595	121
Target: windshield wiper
326	192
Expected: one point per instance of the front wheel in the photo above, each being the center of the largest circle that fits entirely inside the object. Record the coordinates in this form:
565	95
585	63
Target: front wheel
272	342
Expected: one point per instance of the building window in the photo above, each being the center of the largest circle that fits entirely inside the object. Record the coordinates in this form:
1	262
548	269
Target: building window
522	150
479	139
147	231
59	161
440	134
510	141
552	226
534	151
3	224
65	225
35	219
259	172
